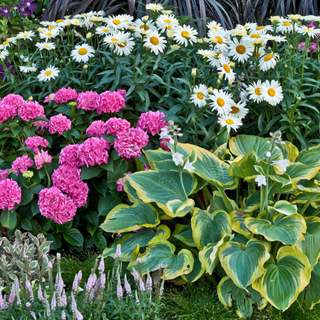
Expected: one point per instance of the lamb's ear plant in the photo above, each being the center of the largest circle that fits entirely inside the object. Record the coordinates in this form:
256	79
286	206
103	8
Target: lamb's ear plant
252	222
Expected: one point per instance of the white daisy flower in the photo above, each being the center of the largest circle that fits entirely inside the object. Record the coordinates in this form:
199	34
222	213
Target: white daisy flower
309	18
310	32
220	41
77	22
117	22
213	25
154	7
4	45
4	54
254	91
46	45
184	35
271	92
79	35
284	25
155	42
48	74
249	26
206	53
82	53
241	50
268	61
275	38
239	110
225	69
25	35
104	30
230	121
199	95
128	19
221	101
90	21
28	69
166	22
48	34
125	46
143	27
263	29
214	60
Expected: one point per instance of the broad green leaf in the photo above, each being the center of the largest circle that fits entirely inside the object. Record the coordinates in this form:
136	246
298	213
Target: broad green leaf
238	225
26	196
299	171
286	229
196	272
164	188
252	202
160	159
218	203
243	167
284	279
310	157
90	172
242	144
244	263
74	237
8	219
310	246
289	151
183	232
125	218
107	203
285	207
161	251
209	228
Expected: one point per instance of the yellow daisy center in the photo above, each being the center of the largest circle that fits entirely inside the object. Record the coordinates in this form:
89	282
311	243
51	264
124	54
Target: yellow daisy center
122	44
220	41
268	57
169	27
45	45
82	51
48	73
185	34
51	28
246	26
167	21
260	28
5	43
271	92
229	121
145	27
215	28
241	49
235	110
49	34
154	40
80	34
220	102
0	54
257	91
307	29
255	35
114	40
116	22
286	24
105	30
226	68
60	20
200	95
25	35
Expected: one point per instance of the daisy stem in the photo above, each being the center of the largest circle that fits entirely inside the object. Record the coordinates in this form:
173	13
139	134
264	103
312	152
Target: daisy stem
267	180
303	59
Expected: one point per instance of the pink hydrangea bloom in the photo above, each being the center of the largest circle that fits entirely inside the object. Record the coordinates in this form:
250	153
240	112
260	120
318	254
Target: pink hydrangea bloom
59	123
30	110
146	166
55	205
122	92
86	100
116	126
22	163
4	174
10	194
65	94
36	142
70	156
152	121
129	144
41	125
67	179
94	151
97	129
7	111
121	182
41	158
49	98
163	144
108	102
14	100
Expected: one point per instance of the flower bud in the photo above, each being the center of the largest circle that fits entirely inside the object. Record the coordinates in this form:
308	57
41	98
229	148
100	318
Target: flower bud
89	35
220	76
145	18
240	32
194	72
232	64
30	98
85	67
131	27
214	40
175	47
210	89
170	35
218	81
200	41
230	82
166	12
275	18
27	174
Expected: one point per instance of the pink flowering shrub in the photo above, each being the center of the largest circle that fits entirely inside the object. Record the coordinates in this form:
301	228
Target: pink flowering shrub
152	122
59	123
35	142
41	158
115	126
22	163
49	98
10	194
86	100
97	129
70	156
30	110
4	174
121	182
163	144
41	125
108	102
64	95
7	112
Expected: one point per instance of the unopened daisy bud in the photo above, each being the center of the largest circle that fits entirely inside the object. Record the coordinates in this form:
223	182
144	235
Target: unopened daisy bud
166	11
170	35
200	41
210	89
286	66
275	18
230	82
294	17
89	35
85	67
206	40
220	76
258	41
27	174
298	98
218	81
175	47
290	46
30	98
232	64
240	32
131	28
145	18
214	40
188	36
194	72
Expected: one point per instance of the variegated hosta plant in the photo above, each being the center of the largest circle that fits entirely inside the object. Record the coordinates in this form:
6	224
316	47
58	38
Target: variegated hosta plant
247	214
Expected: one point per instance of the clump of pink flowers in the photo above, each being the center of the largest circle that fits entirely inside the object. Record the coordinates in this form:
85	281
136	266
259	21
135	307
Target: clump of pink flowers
4	174
86	100
69	155
49	98
59	123
94	151
55	205
41	125
10	194
41	158
115	126
163	144
65	94
97	129
9	106
121	182
128	144
22	163
35	142
30	110
108	102
152	122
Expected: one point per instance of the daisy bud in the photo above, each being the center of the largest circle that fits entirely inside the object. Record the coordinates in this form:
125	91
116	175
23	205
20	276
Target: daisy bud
220	76
188	36
232	64
145	18
214	40
210	89
175	47
85	67
230	83
218	81
170	35
89	35
30	98
275	18
131	27
206	40
200	41
194	71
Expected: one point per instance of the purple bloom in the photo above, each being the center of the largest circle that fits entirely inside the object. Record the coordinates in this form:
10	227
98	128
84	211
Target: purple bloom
23	10
5	11
2	72
29	5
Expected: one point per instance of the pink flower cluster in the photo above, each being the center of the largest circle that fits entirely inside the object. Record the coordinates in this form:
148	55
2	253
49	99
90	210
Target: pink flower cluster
35	142
129	143
163	144
59	123
4	174
56	205
41	158
86	100
108	102
152	122
121	182
22	163
41	125
9	106
69	156
313	45
49	98
10	194
65	94
115	126
97	129
30	110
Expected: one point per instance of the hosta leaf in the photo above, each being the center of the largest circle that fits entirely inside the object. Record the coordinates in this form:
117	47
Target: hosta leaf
243	167
310	157
209	228
289	151
125	218
285	207
238	225
196	272
244	263
286	229
161	251
164	188
284	279
218	203
299	171
183	232
310	246
160	160
252	202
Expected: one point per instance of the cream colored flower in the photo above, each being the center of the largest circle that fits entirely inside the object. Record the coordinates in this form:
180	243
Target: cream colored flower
184	35
82	53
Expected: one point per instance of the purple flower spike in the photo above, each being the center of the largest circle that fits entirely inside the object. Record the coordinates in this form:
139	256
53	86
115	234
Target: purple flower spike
5	11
